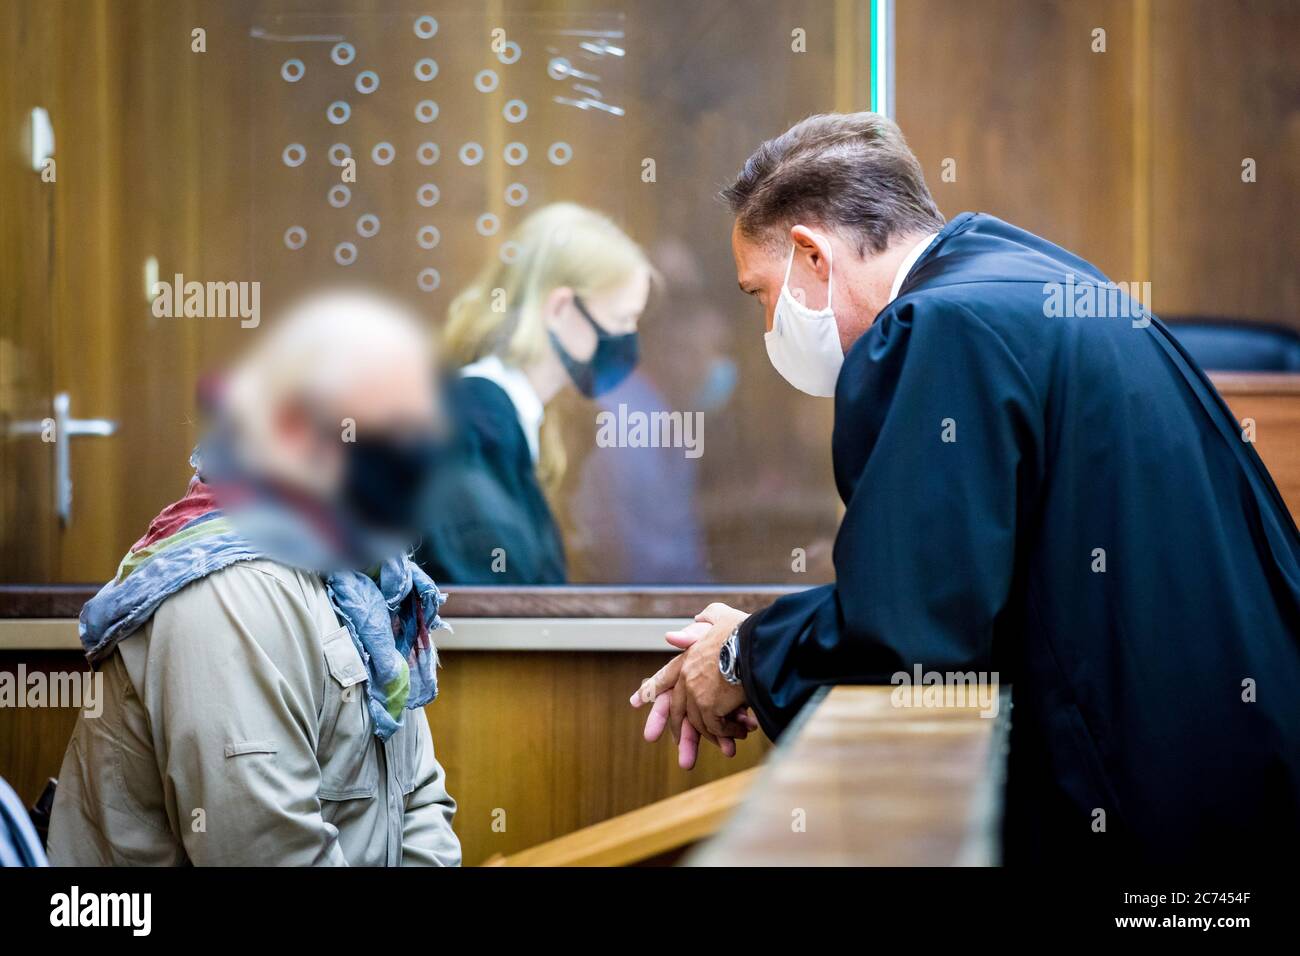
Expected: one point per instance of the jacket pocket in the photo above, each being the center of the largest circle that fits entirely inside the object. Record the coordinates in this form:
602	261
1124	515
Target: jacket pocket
250	747
346	748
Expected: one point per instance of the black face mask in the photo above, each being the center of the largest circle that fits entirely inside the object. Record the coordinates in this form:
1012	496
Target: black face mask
386	480
613	360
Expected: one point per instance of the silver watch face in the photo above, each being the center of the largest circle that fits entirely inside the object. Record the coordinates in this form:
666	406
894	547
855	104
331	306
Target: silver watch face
727	660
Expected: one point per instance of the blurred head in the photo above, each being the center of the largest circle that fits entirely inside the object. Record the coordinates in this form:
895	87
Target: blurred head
837	194
337	401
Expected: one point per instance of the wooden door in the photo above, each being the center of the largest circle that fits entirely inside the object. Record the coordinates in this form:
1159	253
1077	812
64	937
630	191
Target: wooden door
28	534
127	96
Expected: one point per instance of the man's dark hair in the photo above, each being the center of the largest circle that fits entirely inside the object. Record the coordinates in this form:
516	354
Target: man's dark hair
851	171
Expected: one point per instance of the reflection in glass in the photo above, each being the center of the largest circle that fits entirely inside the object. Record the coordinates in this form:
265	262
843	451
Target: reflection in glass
560	313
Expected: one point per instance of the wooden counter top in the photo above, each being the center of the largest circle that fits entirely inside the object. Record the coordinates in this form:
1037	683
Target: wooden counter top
555	634
858	781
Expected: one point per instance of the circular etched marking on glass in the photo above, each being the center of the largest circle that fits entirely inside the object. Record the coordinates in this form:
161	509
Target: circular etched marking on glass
559	153
427	153
338	153
516	194
428	195
515	111
509	52
367	81
428	237
515	154
428	279
426	68
471	154
345	253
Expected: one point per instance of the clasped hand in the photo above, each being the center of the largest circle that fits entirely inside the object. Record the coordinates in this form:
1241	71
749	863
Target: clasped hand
689	694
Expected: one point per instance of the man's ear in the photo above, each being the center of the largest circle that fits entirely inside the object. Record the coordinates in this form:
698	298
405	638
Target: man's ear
292	426
289	418
813	248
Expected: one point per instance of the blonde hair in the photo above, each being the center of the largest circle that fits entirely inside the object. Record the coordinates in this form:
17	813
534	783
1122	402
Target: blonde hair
500	312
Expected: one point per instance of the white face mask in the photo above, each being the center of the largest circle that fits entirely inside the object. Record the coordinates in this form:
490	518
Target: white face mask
804	344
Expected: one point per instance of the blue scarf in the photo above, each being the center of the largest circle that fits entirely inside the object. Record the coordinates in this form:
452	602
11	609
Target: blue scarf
389	616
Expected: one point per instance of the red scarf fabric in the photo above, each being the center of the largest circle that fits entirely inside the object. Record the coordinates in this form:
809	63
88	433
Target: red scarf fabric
197	500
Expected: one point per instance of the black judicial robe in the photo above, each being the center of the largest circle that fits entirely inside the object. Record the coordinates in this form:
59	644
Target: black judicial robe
1075	439
488	522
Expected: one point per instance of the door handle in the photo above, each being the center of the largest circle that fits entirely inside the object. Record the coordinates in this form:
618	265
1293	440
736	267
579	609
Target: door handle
65	427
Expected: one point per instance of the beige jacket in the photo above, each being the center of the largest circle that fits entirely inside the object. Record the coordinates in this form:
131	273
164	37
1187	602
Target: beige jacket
235	732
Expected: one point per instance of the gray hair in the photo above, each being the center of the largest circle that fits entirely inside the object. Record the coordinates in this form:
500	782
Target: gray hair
852	171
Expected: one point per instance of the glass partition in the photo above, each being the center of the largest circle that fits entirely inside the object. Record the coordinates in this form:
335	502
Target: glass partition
215	142
461	122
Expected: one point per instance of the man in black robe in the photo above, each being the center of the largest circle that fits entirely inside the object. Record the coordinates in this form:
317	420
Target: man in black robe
1040	483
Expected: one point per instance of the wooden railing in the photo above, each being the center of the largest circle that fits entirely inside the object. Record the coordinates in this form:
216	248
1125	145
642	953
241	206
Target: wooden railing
860	779
658	832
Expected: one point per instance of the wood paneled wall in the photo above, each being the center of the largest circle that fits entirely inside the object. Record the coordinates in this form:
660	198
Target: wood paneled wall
1132	157
33	739
550	740
538	743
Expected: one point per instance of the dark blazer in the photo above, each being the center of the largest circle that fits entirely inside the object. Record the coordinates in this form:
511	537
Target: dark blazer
1065	500
490	523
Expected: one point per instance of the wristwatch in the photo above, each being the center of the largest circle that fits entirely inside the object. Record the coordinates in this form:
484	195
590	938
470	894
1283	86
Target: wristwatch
729	657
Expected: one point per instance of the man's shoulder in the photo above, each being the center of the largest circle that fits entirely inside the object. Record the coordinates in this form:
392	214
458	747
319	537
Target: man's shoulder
961	325
993	278
261	599
943	308
986	258
256	576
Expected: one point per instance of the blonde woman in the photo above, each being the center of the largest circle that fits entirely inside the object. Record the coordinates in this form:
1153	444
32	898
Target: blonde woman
562	313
